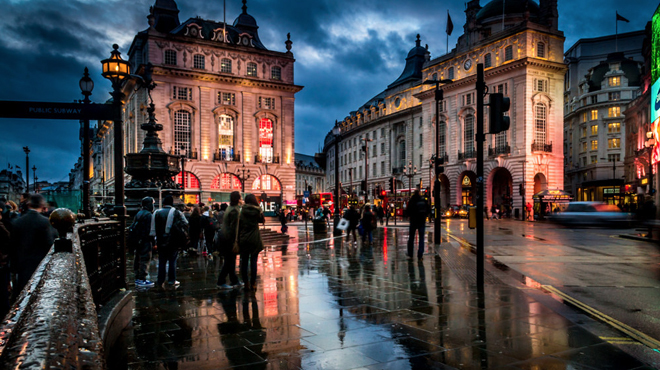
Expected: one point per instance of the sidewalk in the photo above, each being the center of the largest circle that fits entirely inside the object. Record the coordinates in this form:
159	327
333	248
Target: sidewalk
327	304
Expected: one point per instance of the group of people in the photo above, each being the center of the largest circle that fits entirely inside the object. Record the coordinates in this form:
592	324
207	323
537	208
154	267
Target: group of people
227	230
26	236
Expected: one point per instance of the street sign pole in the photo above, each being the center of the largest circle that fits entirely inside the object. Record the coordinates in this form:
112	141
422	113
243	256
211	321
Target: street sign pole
480	139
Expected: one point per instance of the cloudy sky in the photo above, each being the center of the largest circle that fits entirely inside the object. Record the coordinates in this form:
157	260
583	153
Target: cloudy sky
346	52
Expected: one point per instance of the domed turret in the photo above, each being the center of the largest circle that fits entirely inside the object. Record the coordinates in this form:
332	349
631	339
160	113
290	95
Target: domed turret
510	7
414	62
164	15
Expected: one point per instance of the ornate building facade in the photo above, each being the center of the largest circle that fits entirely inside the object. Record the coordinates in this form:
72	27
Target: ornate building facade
309	173
522	53
226	103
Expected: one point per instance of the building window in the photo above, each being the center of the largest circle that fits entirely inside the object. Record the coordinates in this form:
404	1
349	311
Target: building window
593	99
266	182
382	168
450	73
468	99
442	138
266	140
584	117
226	137
382	132
613	143
613	111
540	127
614	158
181	93
508	53
540	50
225	65
373	170
541	85
170	57
276	73
182	130
594	144
594	159
252	69
402	152
382	148
613	127
421	161
614	95
468	138
614	81
583	132
594	129
594	114
373	151
488	61
266	103
225	98
500	140
421	140
583	147
198	61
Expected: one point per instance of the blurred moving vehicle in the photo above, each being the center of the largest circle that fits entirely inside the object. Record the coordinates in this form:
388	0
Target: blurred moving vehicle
456	211
592	214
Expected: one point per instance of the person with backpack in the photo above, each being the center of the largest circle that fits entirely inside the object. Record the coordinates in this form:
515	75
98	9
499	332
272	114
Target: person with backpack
418	211
170	227
141	242
226	244
218	217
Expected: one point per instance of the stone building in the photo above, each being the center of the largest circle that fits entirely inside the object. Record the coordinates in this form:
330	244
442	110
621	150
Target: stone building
309	173
599	83
522	53
226	103
12	184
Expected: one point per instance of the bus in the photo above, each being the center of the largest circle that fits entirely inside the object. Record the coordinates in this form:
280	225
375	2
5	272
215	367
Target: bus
317	200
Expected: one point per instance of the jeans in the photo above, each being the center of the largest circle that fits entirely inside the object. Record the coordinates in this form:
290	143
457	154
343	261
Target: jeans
165	257
253	259
228	268
421	227
142	257
368	233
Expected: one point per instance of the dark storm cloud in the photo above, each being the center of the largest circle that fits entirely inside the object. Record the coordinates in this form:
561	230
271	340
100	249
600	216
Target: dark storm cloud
346	53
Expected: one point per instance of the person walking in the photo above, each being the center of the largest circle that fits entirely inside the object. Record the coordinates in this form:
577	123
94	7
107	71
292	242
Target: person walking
195	221
380	213
283	219
31	239
208	229
168	251
418	210
249	239
144	243
226	242
353	220
368	222
486	212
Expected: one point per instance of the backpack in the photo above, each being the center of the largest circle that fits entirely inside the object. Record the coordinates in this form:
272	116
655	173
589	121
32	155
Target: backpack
176	232
422	210
133	236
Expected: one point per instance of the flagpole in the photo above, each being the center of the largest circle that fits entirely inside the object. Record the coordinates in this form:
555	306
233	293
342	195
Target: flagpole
616	34
447	52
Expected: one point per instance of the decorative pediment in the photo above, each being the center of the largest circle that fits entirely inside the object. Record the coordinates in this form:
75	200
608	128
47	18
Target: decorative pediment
245	39
220	35
194	30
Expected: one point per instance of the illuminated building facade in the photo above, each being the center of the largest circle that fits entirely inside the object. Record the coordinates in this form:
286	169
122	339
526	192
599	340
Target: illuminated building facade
225	101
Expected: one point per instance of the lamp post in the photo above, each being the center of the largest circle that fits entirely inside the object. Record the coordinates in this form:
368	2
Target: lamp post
439	158
337	133
365	148
183	152
522	192
86	86
245	174
27	168
650	141
409	171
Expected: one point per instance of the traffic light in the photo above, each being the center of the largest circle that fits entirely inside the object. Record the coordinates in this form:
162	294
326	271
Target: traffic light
391	184
382	194
439	165
521	190
498	121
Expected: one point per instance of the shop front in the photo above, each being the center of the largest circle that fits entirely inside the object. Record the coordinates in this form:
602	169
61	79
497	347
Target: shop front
550	201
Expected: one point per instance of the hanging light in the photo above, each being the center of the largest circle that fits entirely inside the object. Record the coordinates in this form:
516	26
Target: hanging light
115	68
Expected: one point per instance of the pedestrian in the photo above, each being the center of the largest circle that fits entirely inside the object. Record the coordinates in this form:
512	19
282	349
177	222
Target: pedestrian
486	212
367	221
529	208
649	212
326	215
353	218
249	239
195	229
493	211
144	243
283	219
418	211
31	239
226	242
168	250
208	230
388	214
380	213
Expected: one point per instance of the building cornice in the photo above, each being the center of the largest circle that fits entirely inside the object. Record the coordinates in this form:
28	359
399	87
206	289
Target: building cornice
216	78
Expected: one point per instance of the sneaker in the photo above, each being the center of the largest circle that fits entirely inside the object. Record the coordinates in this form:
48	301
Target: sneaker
225	287
173	283
239	285
144	283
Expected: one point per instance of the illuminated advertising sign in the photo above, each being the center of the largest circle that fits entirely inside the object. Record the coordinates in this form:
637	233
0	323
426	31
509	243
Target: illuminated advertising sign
655	46
655	101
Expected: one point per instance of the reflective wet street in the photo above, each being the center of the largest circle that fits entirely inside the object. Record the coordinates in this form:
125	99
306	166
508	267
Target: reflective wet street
322	303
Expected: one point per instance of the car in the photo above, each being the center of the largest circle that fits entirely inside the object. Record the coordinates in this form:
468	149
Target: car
456	211
592	214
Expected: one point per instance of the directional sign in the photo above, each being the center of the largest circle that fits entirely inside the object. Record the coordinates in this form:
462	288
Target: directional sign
47	110
306	194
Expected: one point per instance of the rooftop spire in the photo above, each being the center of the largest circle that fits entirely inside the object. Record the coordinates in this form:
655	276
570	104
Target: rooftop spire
244	6
418	42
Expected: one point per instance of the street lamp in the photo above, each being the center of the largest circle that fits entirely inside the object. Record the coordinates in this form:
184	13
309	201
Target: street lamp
439	161
27	168
245	174
86	86
409	171
650	142
336	131
183	152
34	174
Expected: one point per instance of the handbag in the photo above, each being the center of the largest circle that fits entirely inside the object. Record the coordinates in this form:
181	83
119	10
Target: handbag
360	229
236	248
343	224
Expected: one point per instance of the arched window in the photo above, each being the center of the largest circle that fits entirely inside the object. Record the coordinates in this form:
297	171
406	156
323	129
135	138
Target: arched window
226	181
252	69
276	73
468	137
508	53
170	57
266	182
540	125
182	130
540	50
266	140
198	61
192	182
225	65
450	73
225	137
488	61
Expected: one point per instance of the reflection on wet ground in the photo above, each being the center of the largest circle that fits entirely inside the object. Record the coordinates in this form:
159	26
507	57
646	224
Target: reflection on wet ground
329	304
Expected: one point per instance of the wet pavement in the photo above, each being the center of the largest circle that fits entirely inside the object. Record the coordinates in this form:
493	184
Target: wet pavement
322	303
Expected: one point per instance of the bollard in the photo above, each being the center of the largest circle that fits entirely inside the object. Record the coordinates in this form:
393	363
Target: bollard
63	220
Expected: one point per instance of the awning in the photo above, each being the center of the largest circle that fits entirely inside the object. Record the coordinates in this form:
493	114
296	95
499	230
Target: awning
552	196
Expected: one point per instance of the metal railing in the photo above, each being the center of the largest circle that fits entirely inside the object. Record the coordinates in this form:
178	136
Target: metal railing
104	257
467	155
258	158
541	147
502	149
226	156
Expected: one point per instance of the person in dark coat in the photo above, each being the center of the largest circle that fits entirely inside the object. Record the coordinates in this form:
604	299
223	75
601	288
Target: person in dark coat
226	244
208	229
167	254
145	242
380	213
195	225
418	210
368	222
353	220
249	239
31	239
